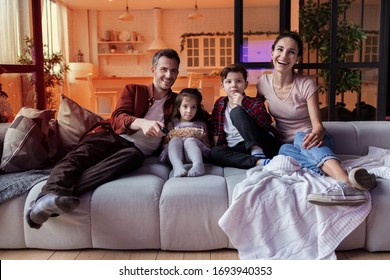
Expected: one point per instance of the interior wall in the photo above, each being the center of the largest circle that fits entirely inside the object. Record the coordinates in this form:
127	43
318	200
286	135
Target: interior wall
174	24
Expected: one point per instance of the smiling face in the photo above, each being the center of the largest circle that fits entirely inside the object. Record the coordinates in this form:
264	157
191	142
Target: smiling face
285	55
188	109
165	74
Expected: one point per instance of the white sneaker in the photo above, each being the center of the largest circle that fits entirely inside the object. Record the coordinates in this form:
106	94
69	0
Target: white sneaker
340	194
361	179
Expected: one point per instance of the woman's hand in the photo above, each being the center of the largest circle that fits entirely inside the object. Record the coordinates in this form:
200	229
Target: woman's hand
313	139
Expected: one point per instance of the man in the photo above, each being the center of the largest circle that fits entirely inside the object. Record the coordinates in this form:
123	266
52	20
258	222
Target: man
113	147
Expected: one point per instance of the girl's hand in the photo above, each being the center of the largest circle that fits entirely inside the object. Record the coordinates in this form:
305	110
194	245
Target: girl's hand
312	139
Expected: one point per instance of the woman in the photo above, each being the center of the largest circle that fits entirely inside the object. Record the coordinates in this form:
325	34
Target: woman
293	102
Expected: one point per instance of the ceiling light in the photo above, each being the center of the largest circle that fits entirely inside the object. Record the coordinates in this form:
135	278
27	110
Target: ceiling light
195	15
126	16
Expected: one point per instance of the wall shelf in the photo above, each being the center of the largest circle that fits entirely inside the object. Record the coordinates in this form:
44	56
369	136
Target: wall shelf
120	42
121	54
107	56
121	50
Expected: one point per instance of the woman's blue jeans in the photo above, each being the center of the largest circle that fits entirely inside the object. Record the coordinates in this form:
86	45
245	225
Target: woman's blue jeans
312	158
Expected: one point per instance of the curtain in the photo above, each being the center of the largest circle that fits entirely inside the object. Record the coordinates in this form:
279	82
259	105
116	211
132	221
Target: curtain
55	34
63	34
11	16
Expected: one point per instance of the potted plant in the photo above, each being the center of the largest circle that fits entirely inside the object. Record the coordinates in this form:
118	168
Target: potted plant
5	107
55	69
314	20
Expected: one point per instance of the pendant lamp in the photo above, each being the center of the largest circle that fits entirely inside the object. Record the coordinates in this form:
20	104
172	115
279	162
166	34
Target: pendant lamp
126	16
196	15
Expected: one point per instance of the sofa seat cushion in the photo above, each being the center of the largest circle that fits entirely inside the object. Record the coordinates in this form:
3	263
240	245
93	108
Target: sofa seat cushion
152	166
209	169
68	231
378	220
12	226
190	208
125	213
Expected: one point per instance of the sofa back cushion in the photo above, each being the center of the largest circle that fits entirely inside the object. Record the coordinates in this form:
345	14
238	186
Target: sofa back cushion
355	137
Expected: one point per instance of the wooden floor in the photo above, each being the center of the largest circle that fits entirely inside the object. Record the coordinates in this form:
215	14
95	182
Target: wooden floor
97	254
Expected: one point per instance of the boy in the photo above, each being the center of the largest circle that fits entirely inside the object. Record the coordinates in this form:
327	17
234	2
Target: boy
242	131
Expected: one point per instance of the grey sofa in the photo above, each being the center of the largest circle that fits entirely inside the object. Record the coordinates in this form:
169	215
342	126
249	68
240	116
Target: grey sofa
149	209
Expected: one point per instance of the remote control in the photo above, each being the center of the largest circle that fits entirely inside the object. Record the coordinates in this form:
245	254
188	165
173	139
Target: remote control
164	129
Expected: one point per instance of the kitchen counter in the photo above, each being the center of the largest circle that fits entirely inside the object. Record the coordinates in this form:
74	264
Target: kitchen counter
210	89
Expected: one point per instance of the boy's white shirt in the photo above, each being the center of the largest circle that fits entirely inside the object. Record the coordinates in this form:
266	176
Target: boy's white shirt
233	137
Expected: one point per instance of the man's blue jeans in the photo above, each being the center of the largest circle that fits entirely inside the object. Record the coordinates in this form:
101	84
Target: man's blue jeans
312	158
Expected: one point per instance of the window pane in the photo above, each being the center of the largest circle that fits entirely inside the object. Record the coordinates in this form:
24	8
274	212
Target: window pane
229	42
196	43
346	101
259	19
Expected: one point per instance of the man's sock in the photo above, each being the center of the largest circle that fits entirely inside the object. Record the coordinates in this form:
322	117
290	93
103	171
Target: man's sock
50	205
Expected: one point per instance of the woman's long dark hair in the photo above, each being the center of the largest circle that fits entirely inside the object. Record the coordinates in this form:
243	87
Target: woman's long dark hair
293	35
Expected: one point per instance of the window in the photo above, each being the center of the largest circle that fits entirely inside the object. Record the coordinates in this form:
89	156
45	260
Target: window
371	48
209	51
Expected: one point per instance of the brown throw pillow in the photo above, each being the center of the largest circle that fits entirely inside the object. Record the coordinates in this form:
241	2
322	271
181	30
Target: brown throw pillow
73	121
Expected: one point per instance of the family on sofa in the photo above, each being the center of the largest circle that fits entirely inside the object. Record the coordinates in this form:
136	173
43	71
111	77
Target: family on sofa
241	129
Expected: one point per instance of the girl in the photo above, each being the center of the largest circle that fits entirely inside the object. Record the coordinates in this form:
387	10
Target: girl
293	102
187	139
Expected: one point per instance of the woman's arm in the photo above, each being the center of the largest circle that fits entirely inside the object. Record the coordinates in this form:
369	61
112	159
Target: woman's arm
315	137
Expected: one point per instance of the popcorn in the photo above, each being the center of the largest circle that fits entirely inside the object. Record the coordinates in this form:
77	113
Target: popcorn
186	132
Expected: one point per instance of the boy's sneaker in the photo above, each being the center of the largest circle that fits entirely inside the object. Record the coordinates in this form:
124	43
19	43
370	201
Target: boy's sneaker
340	194
361	179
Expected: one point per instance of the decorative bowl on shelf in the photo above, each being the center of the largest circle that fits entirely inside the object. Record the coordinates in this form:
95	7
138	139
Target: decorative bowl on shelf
124	36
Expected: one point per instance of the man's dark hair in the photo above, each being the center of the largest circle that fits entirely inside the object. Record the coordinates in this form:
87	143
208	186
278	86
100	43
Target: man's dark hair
170	53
